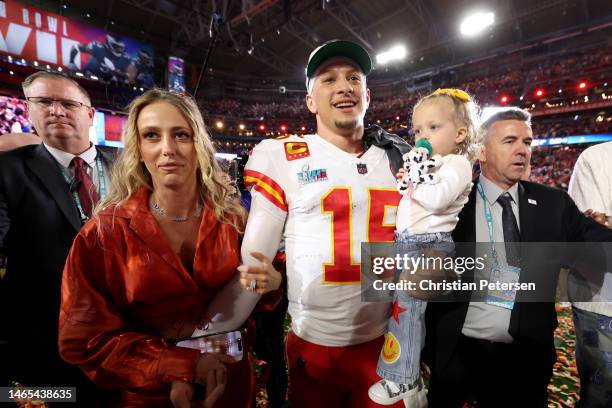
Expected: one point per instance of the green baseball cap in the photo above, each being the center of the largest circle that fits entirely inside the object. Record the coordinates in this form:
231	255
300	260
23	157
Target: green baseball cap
338	48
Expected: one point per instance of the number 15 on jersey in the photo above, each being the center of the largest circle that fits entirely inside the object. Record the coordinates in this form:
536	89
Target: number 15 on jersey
338	203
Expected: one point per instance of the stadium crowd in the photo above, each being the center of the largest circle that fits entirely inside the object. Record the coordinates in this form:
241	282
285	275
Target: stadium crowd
488	89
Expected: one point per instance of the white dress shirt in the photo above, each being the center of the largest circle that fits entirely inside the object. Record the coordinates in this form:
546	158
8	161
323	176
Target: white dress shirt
484	321
591	188
89	156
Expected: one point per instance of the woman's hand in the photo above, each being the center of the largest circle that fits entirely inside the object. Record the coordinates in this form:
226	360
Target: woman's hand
261	279
181	394
211	373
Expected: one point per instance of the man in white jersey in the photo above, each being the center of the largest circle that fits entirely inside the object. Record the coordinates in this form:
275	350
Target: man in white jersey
325	194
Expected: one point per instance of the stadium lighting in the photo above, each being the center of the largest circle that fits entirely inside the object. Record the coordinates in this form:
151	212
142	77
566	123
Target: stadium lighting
475	23
395	53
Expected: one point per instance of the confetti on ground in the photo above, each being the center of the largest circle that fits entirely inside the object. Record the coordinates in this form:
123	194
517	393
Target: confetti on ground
565	385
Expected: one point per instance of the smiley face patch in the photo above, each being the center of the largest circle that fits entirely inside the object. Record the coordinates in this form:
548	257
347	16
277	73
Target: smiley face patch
391	349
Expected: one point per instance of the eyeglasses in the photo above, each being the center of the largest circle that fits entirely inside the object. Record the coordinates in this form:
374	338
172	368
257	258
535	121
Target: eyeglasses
65	103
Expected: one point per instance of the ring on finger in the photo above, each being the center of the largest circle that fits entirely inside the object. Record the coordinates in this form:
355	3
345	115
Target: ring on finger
253	285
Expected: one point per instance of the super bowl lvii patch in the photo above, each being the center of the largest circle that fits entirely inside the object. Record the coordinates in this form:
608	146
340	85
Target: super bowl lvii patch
307	176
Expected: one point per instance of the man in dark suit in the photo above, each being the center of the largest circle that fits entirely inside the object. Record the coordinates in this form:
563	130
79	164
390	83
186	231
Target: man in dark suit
502	354
47	192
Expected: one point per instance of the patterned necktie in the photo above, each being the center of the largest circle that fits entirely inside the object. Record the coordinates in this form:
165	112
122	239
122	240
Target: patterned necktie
88	196
511	231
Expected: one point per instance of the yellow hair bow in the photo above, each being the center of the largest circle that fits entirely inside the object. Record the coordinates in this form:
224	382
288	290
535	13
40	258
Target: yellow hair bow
457	93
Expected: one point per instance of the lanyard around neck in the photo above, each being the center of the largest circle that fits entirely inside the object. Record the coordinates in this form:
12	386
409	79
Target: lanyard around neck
489	218
101	187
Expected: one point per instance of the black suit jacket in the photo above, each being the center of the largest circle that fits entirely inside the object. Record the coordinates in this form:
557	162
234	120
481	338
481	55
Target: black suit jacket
38	222
554	218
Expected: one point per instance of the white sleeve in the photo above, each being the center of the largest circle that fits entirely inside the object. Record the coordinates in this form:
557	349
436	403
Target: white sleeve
232	306
584	186
454	178
264	175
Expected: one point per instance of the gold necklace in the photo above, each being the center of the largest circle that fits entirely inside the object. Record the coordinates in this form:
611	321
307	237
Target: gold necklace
161	212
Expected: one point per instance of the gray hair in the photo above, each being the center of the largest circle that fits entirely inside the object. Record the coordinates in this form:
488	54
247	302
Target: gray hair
512	113
54	76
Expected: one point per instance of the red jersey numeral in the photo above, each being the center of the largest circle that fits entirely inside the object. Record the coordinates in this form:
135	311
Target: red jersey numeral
338	203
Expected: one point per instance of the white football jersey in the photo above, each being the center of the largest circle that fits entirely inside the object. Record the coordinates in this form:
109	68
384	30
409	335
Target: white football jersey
331	201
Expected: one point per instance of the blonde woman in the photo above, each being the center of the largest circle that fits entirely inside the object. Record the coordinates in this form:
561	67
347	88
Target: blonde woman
148	264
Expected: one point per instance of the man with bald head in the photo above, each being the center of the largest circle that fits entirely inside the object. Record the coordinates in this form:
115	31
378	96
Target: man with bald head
47	192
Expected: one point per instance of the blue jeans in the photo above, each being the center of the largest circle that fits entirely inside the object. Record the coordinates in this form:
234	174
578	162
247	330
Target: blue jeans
400	362
594	358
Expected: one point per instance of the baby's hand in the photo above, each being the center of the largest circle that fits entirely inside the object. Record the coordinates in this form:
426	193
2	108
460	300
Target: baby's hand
400	174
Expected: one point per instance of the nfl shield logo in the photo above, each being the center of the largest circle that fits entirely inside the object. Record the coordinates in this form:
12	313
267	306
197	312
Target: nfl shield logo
362	168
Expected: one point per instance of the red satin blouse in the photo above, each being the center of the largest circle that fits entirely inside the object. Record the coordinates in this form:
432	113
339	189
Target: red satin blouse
124	290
